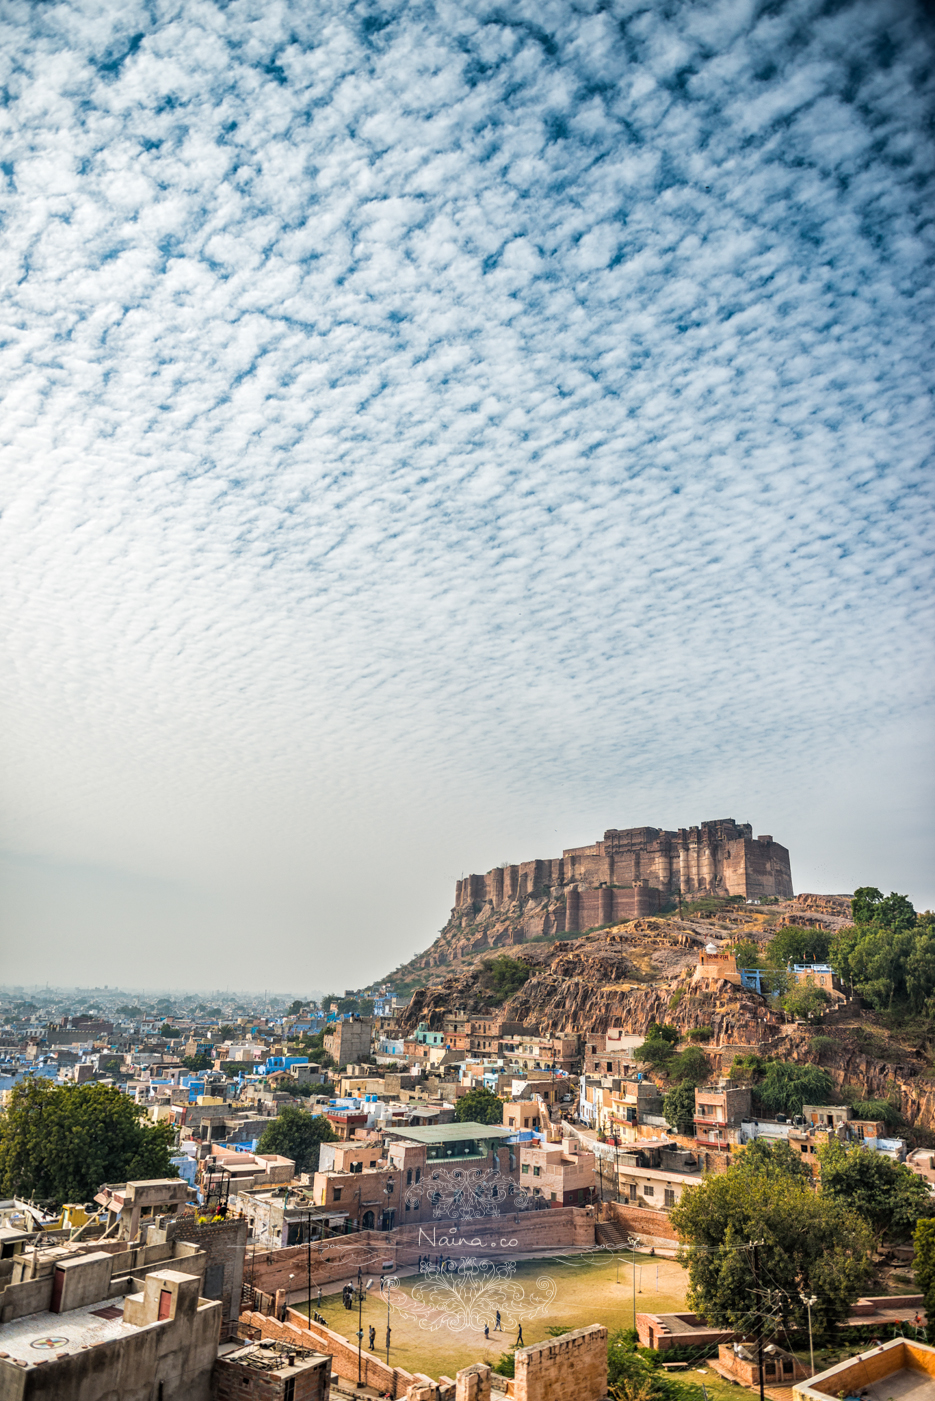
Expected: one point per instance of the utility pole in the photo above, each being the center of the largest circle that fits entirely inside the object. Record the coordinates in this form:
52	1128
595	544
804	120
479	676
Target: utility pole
634	1242
808	1300
360	1327
759	1315
388	1323
308	1262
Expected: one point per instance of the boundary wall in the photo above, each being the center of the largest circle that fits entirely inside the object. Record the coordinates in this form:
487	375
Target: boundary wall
337	1260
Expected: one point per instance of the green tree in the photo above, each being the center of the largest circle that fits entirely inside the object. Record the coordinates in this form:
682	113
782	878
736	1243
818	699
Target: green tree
665	1032
809	1243
786	1087
659	1045
795	945
295	1007
505	975
60	1143
298	1135
479	1106
747	954
167	1032
889	967
654	1051
678	1106
924	1266
805	1000
885	1193
871	906
196	1063
689	1066
774	1158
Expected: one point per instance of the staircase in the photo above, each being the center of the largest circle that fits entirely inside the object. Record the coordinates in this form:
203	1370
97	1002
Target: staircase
609	1233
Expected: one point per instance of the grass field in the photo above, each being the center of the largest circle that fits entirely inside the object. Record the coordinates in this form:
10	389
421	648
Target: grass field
442	1339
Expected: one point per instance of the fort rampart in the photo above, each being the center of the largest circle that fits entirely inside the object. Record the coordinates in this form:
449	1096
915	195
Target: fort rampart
631	872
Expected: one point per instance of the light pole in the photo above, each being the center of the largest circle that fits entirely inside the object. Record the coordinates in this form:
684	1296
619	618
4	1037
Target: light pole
808	1300
388	1286
633	1242
360	1325
308	1262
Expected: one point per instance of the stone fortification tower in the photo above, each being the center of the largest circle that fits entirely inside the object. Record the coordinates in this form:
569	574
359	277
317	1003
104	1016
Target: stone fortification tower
633	871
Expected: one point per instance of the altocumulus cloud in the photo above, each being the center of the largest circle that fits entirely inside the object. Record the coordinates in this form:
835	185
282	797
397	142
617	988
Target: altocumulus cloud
439	428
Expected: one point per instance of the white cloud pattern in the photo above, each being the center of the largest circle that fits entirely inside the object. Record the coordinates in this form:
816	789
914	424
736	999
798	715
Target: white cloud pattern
432	433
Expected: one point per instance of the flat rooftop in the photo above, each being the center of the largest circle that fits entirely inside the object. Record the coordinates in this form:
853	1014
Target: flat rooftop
452	1133
42	1336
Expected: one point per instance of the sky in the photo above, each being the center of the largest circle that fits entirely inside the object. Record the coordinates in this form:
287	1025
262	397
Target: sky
433	434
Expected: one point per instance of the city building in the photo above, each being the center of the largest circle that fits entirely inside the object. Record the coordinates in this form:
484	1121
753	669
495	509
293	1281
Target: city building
562	1174
272	1371
902	1369
81	1328
719	1113
348	1040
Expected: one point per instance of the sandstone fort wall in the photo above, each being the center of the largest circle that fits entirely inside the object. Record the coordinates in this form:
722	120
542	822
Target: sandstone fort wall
720	857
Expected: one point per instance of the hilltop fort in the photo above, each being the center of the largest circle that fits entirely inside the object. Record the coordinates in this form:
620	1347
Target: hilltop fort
629	874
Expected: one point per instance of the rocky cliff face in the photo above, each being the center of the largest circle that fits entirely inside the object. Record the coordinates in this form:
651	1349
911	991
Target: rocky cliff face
642	972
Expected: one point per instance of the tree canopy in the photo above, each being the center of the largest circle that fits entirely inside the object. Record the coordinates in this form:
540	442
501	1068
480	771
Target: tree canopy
505	975
924	1265
871	906
59	1143
805	1000
786	1087
889	967
298	1135
479	1106
885	1193
678	1106
795	945
809	1243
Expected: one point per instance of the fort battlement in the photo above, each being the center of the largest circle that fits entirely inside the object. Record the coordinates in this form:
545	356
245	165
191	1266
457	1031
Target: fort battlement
631	872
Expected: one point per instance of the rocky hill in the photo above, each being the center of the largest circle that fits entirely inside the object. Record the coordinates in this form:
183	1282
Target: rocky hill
537	922
642	971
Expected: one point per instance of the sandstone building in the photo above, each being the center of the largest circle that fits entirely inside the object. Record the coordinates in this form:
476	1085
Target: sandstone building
632	872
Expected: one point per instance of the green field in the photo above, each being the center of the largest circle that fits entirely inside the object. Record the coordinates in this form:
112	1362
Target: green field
592	1288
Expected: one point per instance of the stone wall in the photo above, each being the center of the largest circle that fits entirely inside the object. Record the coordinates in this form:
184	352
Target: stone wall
608	905
224	1244
721	856
522	1233
299	1330
653	1227
570	1368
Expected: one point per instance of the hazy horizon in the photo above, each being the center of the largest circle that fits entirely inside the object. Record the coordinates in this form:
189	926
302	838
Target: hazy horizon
431	438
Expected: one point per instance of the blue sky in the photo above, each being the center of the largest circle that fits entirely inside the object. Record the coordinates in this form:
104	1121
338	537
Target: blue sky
434	434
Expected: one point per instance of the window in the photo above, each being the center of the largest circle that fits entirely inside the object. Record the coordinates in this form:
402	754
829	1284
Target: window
610	1065
525	1167
551	1196
804	1147
670	1197
649	1190
409	1177
337	1194
418	1173
537	1172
